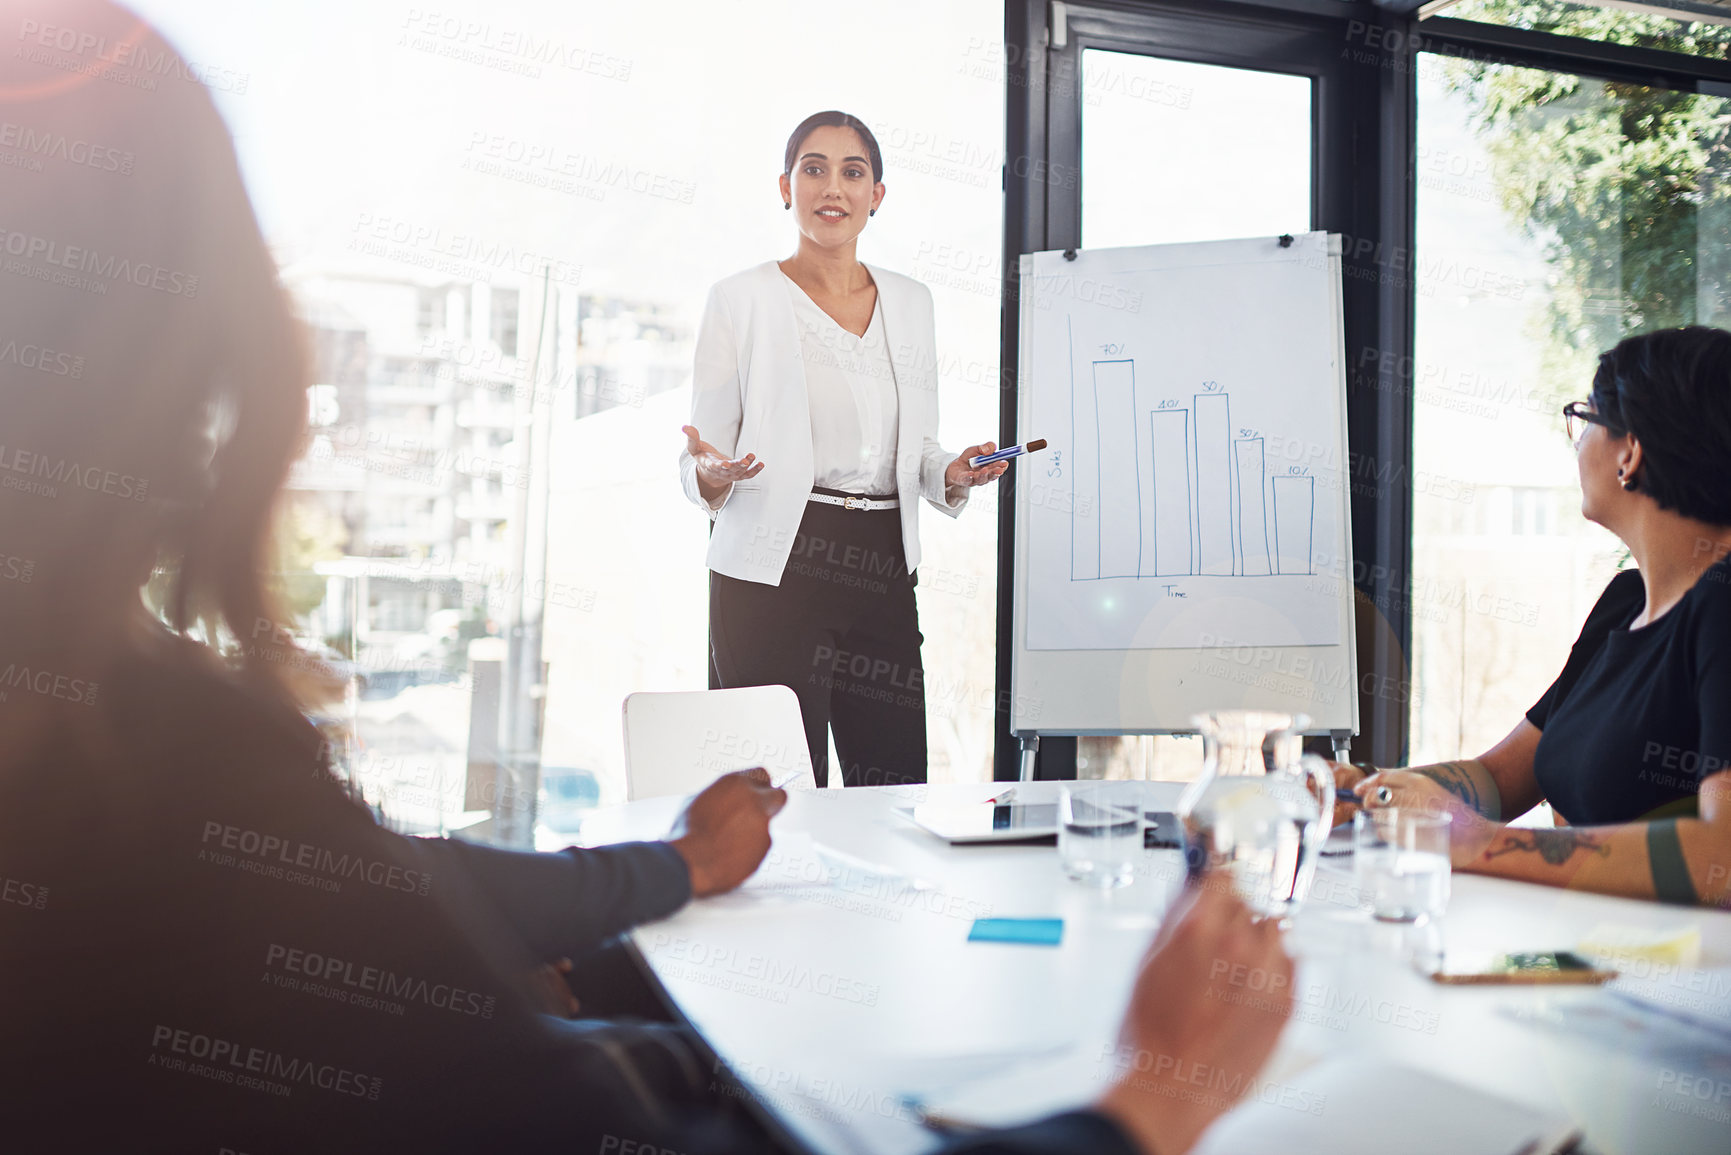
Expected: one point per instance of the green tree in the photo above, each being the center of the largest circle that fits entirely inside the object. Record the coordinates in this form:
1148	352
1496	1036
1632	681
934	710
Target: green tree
1627	188
306	534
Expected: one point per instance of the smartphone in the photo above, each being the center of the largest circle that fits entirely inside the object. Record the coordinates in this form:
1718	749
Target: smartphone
1552	966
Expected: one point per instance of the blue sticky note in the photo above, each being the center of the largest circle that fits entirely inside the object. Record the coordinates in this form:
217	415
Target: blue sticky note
1032	931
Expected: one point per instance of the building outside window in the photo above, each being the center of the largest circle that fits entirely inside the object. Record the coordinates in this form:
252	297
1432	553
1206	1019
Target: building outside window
452	293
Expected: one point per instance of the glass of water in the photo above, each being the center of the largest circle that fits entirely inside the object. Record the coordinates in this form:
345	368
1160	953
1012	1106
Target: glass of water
1401	858
1099	837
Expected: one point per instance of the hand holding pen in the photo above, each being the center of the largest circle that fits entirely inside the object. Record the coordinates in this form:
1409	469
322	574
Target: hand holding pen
723	833
975	465
1347	776
991	456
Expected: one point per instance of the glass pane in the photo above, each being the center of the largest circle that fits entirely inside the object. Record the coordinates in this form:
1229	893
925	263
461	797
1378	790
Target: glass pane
1696	27
422	182
1556	215
1173	151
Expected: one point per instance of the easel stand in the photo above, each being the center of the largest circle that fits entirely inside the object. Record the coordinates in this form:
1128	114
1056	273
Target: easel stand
1030	746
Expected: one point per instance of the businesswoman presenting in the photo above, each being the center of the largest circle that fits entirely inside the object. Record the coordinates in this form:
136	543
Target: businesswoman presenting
814	417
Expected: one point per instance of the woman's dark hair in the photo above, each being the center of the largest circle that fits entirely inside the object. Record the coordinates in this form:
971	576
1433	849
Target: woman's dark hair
1672	390
837	120
164	400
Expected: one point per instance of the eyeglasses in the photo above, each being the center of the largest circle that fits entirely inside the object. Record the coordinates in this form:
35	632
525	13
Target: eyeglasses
1577	416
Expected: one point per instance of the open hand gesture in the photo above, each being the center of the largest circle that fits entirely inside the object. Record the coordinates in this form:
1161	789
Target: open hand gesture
716	471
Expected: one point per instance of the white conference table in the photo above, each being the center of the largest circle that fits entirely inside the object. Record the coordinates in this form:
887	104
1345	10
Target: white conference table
845	997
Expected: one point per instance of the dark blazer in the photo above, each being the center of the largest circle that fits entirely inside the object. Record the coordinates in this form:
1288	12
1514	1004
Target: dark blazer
205	945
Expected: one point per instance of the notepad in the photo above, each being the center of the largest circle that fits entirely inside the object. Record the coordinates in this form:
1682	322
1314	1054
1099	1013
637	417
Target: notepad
1700	998
1348	1105
1030	931
1356	1104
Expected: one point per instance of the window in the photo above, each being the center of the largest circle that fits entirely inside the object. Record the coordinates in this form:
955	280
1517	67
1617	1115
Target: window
389	163
1557	214
503	321
431	315
1175	151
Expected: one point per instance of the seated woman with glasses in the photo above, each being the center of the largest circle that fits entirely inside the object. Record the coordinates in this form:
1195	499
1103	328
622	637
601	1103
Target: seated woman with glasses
1631	745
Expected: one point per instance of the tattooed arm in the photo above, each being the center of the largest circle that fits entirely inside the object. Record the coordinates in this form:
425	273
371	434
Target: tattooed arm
1556	847
1624	860
1498	784
1682	860
1469	781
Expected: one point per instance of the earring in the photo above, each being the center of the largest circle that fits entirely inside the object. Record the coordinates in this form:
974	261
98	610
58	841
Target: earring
786	204
871	212
1628	482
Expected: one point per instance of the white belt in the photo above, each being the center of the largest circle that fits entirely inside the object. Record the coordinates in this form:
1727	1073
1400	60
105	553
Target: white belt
857	502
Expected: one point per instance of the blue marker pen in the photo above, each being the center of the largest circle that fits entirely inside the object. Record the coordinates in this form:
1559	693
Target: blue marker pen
1006	454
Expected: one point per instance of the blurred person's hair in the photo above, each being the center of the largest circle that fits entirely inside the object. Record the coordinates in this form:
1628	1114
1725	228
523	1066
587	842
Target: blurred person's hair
1672	389
834	119
173	401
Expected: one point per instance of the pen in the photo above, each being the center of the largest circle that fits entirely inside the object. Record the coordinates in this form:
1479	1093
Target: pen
789	778
1006	454
1007	796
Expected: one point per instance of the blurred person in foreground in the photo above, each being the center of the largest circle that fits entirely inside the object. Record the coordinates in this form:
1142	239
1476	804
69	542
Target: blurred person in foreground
205	944
1631	745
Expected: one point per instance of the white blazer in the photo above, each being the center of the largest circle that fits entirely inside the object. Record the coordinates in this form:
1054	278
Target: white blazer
748	395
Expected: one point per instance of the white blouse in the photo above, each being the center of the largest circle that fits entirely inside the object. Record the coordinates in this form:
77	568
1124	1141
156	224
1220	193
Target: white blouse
852	391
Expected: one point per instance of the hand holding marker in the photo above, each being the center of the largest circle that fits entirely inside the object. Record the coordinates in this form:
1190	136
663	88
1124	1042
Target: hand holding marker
1006	454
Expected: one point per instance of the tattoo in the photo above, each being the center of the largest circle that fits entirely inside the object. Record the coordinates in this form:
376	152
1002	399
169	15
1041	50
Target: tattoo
1554	846
1671	880
1458	780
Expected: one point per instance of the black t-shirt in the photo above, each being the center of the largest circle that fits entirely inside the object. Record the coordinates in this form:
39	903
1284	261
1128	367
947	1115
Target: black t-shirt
1639	717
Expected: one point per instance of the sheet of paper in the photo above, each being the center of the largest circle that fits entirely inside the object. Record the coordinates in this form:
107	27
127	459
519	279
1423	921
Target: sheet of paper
1298	1106
1191	492
1699	997
1363	1105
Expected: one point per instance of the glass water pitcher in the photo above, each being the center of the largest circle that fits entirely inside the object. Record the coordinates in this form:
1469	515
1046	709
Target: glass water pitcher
1261	809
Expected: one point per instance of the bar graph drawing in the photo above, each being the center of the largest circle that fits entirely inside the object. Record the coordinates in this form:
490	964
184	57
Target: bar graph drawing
1174	549
1294	517
1193	488
1252	507
1214	529
1176	494
1120	505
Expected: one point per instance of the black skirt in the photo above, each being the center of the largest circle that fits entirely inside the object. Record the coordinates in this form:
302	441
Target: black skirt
842	631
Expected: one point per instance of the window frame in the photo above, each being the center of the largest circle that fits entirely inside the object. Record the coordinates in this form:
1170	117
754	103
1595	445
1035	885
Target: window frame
1363	58
1360	113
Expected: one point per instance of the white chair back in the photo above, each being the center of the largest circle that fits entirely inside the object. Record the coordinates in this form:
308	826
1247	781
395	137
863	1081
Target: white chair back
678	743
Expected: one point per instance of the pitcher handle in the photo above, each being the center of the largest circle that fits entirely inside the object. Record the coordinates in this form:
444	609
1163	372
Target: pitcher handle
1319	777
